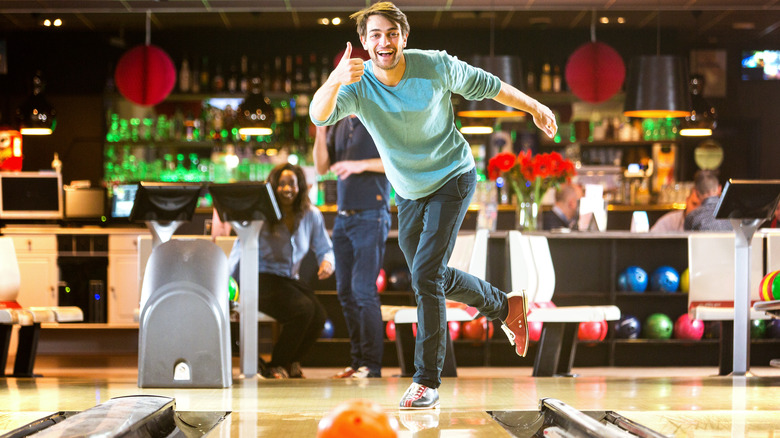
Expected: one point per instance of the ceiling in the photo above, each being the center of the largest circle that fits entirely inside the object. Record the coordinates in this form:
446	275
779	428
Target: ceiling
710	20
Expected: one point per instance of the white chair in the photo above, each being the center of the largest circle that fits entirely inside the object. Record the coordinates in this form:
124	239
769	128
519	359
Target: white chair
28	318
532	270
711	285
468	255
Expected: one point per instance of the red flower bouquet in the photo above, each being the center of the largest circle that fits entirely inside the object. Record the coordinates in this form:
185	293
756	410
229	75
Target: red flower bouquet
530	176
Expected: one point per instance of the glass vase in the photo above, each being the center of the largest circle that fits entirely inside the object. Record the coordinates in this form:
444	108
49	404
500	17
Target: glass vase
527	215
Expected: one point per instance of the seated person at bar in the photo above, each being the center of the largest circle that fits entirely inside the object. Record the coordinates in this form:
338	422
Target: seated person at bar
281	293
675	220
702	218
565	211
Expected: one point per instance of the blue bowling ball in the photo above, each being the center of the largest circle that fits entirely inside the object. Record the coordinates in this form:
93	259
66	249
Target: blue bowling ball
636	279
665	279
622	282
628	327
327	329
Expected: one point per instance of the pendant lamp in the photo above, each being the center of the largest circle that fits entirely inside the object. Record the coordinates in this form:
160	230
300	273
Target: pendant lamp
255	114
703	118
508	69
36	116
657	86
472	126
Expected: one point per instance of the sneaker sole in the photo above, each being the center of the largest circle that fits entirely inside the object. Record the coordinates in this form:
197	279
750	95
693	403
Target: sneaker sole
525	318
418	408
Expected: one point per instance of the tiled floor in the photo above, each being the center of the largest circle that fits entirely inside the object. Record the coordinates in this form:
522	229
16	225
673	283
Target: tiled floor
681	402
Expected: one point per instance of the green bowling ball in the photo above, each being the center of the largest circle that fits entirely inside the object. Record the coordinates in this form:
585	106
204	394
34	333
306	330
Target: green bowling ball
757	329
233	289
658	326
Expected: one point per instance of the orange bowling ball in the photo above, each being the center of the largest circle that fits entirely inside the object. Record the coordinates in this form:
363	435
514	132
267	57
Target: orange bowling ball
479	329
357	418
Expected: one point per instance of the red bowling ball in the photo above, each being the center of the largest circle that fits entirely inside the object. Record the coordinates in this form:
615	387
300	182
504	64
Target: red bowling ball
535	330
592	331
454	327
381	281
390	330
687	328
535	327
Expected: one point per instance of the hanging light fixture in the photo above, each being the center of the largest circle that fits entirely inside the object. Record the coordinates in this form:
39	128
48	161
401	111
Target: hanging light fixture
656	86
476	126
703	118
36	116
508	69
255	114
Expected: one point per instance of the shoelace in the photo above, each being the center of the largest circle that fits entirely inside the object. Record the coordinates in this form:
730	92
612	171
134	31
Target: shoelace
417	391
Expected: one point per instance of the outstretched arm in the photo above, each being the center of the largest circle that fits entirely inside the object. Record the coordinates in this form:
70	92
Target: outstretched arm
543	116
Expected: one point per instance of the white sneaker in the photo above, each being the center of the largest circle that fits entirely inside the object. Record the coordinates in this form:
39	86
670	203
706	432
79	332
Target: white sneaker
361	373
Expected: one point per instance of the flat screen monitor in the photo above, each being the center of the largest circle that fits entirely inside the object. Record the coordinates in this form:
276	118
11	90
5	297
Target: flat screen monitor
30	195
748	199
85	204
760	65
165	202
122	199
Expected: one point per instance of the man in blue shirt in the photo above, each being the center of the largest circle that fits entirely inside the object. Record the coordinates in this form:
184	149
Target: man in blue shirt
359	233
403	97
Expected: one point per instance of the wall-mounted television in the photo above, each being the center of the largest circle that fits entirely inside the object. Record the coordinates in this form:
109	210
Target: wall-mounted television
30	195
760	65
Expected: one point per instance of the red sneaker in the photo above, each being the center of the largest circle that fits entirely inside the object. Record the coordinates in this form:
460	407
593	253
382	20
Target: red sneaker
516	325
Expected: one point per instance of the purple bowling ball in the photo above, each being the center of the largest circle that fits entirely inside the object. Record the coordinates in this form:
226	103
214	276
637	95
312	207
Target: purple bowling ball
773	329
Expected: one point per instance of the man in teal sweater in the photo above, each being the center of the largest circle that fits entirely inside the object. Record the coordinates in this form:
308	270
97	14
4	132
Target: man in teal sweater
403	97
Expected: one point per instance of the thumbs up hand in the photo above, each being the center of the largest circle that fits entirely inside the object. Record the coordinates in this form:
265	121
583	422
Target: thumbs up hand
349	70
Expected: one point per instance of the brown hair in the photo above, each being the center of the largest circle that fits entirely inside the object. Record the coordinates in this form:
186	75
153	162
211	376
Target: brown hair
706	183
385	9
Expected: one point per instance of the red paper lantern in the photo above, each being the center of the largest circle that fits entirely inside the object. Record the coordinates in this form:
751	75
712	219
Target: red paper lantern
145	75
595	72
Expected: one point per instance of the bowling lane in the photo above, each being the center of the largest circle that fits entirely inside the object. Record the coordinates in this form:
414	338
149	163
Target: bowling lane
696	403
444	423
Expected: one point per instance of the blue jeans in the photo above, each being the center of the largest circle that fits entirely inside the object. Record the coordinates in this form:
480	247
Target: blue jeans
427	228
359	247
